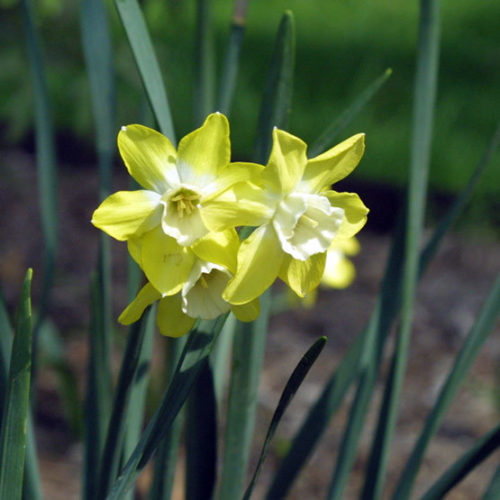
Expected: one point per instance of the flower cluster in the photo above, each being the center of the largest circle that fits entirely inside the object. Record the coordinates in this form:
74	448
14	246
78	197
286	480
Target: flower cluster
181	227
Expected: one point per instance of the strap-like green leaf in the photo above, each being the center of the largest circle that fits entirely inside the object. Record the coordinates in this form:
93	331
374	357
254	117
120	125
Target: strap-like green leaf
474	341
493	490
425	91
293	384
15	418
31	485
327	138
98	401
232	57
117	424
145	58
481	450
248	354
277	97
198	347
201	437
204	86
167	455
46	167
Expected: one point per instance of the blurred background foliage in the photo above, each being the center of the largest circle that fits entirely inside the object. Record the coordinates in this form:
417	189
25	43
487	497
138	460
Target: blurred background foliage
341	48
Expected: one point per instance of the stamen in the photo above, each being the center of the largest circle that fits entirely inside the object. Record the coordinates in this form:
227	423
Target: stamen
203	281
308	221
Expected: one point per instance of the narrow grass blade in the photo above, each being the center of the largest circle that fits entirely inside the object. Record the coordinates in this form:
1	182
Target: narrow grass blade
201	437
167	455
220	358
198	347
135	409
232	57
99	64
46	167
293	384
204	86
145	58
326	139
15	419
493	491
248	353
460	202
475	339
277	95
31	482
98	393
481	450
117	424
425	90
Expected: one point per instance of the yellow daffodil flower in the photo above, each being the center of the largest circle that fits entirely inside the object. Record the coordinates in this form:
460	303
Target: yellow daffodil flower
339	270
301	219
182	189
200	297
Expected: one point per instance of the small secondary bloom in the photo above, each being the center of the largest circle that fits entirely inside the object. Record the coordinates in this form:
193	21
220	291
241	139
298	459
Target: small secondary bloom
339	270
179	186
301	218
200	297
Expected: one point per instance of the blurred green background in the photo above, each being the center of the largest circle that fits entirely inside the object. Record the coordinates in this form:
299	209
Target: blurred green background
341	48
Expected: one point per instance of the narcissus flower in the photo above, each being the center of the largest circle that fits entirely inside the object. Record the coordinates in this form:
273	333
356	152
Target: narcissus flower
200	297
339	270
300	218
180	187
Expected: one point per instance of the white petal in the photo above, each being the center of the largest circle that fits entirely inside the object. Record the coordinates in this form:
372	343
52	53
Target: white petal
202	292
314	228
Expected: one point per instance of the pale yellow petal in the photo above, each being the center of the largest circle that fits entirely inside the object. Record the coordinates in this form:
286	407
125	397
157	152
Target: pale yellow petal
286	163
303	276
355	212
247	312
339	271
220	248
165	263
244	204
134	246
229	176
149	157
146	296
333	165
205	151
171	321
259	260
128	213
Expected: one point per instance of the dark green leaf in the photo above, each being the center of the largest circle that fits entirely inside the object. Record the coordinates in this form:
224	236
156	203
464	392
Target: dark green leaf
424	98
293	384
277	97
481	450
201	437
204	61
198	347
145	58
117	424
232	57
327	138
16	410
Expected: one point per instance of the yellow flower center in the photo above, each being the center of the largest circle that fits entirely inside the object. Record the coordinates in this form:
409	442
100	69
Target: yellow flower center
185	200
